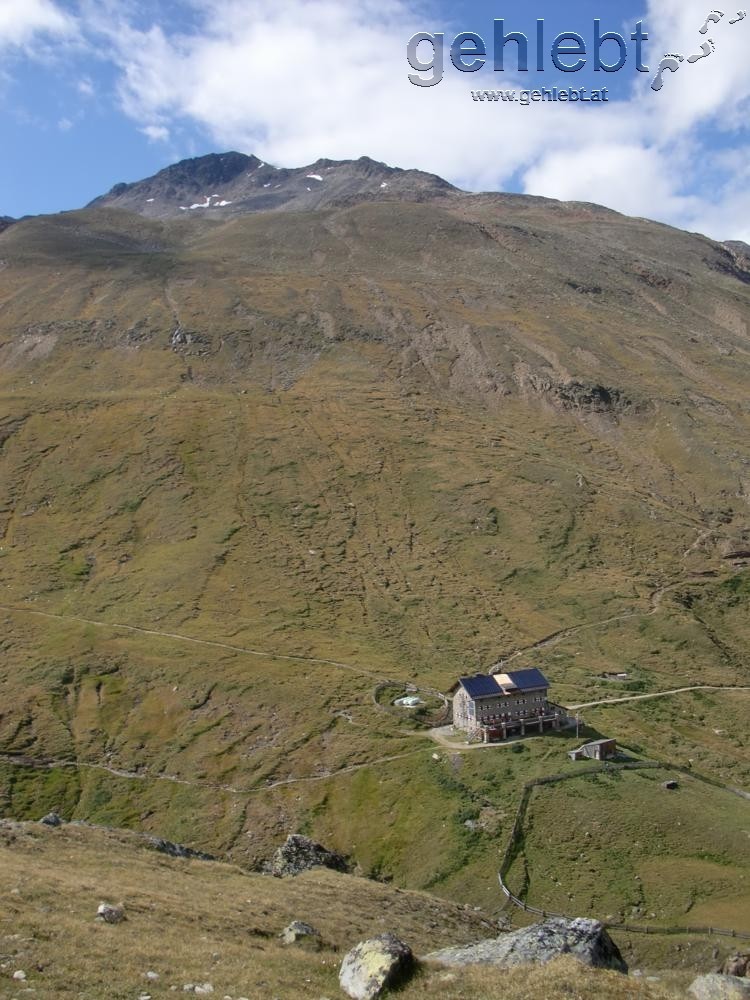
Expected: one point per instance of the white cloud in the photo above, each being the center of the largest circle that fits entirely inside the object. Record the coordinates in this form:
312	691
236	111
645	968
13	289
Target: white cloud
156	133
337	87
22	20
631	178
667	169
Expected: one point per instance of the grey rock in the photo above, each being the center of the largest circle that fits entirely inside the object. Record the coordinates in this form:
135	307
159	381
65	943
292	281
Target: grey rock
718	987
300	854
242	184
110	914
51	819
177	850
374	966
736	965
584	939
300	933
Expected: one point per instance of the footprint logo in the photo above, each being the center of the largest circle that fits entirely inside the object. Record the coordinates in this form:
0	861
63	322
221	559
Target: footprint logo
673	60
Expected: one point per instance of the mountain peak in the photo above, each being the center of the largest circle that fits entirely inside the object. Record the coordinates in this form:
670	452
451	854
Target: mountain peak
232	183
196	172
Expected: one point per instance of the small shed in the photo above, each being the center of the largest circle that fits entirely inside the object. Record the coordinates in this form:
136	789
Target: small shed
597	750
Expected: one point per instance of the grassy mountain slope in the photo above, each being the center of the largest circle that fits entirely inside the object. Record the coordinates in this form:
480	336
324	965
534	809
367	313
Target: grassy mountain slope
389	441
639	851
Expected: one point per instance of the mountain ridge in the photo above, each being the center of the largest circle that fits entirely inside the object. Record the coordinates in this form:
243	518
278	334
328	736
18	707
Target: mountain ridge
232	183
242	183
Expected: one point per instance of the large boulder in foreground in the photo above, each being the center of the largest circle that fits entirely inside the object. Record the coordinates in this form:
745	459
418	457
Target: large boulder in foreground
718	987
374	966
586	940
300	854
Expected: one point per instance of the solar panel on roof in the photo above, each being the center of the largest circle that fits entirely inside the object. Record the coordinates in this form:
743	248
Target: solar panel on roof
528	679
480	686
485	685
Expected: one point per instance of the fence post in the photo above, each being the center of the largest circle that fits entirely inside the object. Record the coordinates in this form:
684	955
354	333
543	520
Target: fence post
517	833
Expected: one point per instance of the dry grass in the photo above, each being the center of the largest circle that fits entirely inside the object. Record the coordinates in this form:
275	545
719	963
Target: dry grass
188	921
194	922
563	979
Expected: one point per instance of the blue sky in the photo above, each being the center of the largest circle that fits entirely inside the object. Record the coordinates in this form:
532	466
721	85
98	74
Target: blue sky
92	93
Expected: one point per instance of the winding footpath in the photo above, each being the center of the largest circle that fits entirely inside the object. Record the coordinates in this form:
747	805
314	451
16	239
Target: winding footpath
655	600
45	764
438	735
658	694
181	637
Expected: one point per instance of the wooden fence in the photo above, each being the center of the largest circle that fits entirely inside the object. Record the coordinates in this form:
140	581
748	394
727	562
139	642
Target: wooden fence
516	836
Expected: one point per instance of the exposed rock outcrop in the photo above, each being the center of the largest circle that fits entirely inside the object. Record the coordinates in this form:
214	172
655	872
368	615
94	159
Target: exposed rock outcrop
584	939
737	547
224	185
178	850
736	965
718	987
299	854
730	261
571	394
596	398
651	277
51	819
374	966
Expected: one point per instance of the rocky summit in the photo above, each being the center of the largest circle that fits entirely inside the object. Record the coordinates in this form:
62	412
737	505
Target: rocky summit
221	186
